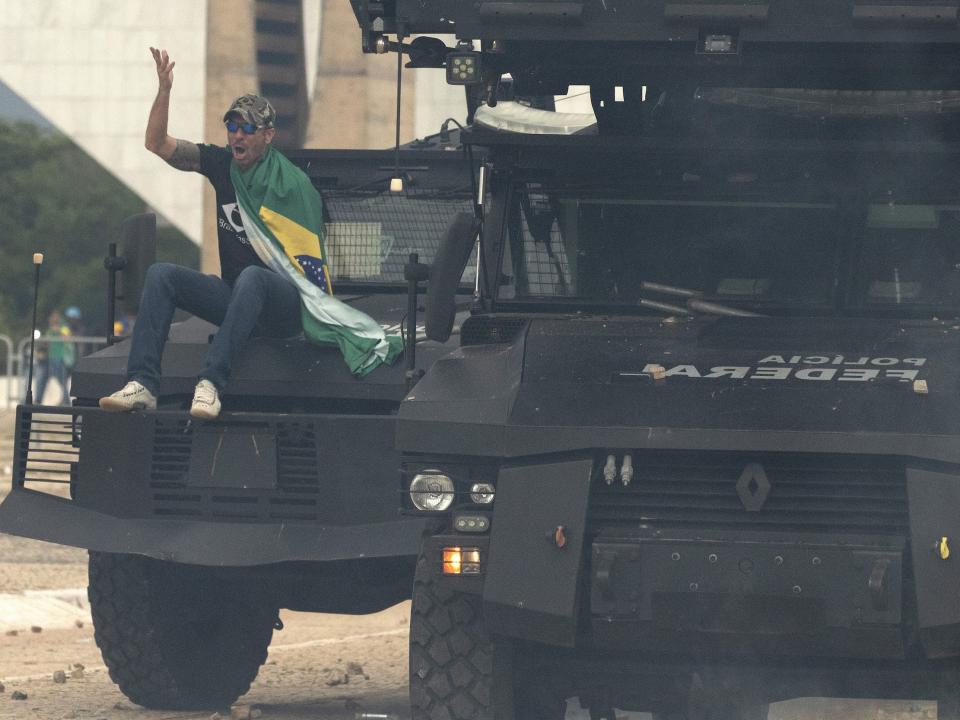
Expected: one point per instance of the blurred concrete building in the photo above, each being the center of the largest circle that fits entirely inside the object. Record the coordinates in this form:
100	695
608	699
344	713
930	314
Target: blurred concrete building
85	66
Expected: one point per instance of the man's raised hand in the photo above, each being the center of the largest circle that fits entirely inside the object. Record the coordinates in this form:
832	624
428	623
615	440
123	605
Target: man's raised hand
156	138
164	68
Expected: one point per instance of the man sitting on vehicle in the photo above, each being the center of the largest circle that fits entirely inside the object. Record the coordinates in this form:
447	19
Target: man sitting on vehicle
274	276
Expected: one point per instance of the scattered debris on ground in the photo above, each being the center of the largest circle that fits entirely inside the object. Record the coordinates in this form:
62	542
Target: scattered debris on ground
355	668
239	712
332	678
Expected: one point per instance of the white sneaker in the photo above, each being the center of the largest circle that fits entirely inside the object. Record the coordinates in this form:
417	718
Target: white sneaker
206	401
133	396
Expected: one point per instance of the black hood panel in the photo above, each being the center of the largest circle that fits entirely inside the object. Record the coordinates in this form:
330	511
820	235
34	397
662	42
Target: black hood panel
267	367
741	373
785	383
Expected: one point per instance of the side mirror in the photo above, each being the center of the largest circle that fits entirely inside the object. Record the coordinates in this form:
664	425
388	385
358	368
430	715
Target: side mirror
138	242
445	273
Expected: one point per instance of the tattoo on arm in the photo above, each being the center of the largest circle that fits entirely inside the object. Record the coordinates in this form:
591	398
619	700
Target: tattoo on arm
186	156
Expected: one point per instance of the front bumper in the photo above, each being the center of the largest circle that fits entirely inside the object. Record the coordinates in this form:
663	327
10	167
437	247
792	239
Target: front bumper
769	595
248	489
862	569
198	542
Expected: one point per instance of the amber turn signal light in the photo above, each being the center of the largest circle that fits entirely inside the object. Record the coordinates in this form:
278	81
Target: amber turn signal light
461	561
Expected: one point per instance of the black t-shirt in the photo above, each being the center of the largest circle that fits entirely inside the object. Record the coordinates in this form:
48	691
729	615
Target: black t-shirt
236	253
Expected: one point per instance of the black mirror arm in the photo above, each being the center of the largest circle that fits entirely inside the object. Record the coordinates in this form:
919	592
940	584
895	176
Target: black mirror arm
414	272
113	264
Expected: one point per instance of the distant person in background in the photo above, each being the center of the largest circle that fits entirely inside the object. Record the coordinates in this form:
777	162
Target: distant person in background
123	325
74	318
41	370
56	359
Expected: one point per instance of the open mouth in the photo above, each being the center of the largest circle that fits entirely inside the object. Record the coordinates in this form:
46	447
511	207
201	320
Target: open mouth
239	151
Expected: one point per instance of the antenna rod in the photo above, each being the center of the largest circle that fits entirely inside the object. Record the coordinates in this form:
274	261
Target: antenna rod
37	262
396	144
396	182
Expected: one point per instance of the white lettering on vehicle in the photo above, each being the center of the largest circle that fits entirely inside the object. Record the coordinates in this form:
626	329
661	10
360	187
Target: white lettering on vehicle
905	375
769	373
859	375
816	373
838	360
683	370
730	371
838	368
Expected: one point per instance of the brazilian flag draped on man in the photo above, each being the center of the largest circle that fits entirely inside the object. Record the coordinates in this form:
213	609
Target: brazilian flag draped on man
283	217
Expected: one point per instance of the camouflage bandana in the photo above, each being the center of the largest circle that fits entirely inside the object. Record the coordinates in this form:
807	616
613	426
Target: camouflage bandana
253	109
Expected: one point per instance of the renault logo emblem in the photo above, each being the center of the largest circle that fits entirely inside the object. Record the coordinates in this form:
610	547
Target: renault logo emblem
753	487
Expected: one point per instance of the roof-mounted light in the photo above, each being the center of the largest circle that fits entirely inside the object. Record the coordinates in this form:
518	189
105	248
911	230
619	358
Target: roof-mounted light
464	65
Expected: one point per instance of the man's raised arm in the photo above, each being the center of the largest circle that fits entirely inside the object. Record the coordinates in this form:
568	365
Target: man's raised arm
181	154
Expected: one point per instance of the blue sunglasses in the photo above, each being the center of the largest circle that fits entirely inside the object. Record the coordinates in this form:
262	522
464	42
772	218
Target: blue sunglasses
248	128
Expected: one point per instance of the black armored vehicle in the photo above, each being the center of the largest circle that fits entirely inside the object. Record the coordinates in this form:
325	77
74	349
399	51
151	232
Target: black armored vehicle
698	449
200	532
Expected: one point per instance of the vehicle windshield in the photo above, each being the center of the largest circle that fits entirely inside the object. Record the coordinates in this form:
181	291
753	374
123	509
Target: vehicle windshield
777	249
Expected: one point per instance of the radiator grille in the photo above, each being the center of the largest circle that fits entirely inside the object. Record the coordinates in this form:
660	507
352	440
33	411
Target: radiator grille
171	454
46	451
293	498
806	493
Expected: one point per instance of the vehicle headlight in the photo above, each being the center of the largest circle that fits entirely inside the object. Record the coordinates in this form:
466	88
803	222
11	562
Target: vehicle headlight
431	490
482	493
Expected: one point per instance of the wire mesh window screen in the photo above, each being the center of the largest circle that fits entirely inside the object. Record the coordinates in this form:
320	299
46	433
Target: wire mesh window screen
370	236
539	259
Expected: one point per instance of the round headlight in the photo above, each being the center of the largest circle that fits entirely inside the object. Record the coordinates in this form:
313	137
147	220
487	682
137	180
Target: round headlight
482	493
431	490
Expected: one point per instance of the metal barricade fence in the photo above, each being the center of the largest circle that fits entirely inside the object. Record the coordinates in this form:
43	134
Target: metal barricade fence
9	373
14	380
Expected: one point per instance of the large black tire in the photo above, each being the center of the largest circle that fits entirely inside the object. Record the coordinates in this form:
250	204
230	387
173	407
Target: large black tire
175	637
457	670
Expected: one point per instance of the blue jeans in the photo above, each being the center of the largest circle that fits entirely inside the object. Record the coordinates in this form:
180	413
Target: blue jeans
259	300
55	369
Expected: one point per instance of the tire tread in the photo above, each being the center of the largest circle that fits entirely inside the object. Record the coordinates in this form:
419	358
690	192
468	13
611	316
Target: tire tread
130	637
450	654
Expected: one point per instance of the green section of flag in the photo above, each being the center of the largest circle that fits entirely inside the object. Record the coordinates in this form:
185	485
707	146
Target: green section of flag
358	352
